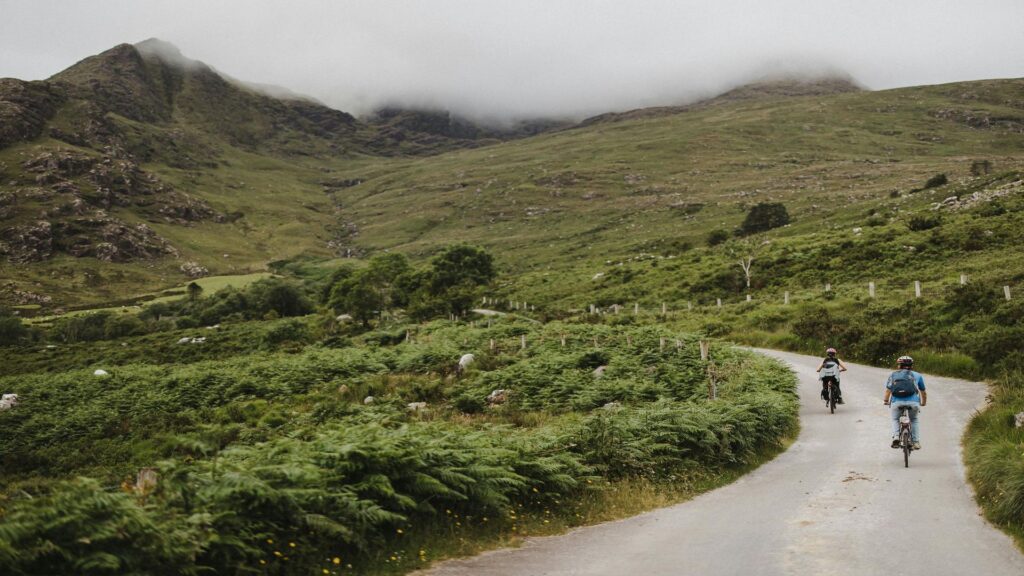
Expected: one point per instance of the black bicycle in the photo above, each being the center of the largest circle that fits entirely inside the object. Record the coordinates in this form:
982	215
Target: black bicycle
831	394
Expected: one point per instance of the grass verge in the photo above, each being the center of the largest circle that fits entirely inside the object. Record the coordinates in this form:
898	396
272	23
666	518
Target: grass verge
994	453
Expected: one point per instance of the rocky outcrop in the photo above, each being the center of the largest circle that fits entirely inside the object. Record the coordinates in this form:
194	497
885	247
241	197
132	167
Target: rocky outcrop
194	270
29	243
25	108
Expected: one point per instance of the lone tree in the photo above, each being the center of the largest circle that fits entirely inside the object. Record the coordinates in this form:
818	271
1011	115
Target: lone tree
745	251
194	291
763	217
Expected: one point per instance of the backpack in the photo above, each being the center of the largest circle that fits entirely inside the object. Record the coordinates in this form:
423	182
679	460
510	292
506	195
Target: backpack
904	384
830	368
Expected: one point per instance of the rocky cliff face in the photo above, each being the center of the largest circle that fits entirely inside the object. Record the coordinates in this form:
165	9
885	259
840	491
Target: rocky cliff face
67	199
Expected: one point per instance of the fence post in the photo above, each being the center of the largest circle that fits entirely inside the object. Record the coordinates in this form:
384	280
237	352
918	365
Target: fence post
785	297
712	381
664	310
629	340
704	350
492	344
689	305
917	289
636	308
661	346
146	481
963	279
871	289
563	340
679	344
719	302
522	341
1006	292
406	335
748	297
595	342
828	286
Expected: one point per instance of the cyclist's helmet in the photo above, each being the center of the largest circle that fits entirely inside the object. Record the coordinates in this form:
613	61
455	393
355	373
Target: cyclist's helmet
905	362
830	352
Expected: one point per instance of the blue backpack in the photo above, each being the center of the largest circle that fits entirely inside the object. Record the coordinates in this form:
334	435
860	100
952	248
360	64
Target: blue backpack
904	384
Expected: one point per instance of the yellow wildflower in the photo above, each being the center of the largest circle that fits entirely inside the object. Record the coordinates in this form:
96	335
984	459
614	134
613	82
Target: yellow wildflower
336	560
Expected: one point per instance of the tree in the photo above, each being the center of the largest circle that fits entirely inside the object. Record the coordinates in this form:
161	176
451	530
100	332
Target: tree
383	274
763	217
194	291
11	329
280	296
457	273
744	251
461	264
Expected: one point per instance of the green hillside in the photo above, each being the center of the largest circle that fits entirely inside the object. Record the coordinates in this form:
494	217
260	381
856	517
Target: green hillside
278	399
202	170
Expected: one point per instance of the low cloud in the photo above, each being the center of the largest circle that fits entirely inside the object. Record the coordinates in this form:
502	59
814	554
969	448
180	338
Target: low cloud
569	58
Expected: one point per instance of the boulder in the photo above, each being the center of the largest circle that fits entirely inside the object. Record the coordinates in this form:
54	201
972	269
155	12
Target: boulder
416	406
184	340
465	361
369	400
194	270
100	372
612	406
8	401
1018	420
499	396
599	371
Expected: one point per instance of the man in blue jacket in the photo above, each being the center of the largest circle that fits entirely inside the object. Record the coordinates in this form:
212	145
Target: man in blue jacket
905	388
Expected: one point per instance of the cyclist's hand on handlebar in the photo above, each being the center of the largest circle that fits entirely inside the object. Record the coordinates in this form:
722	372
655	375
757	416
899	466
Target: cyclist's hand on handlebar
886	402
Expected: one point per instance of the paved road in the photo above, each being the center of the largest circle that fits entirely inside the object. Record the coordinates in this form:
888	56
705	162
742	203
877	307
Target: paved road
838	502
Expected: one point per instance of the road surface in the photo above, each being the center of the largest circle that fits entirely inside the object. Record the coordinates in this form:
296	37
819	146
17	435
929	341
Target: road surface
838	502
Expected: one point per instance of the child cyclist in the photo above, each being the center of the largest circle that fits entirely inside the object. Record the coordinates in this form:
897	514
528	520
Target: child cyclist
829	370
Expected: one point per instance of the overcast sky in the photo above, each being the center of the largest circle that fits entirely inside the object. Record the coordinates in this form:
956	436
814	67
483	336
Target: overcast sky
523	58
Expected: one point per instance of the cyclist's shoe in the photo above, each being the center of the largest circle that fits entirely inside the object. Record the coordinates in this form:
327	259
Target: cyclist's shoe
917	445
895	442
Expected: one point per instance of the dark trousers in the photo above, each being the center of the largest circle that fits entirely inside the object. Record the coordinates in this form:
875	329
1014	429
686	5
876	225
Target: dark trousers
835	384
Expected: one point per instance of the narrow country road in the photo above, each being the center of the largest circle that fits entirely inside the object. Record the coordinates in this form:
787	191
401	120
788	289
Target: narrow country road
838	502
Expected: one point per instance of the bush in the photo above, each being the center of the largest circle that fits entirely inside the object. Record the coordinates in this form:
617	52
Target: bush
765	216
936	181
12	330
716	237
920	222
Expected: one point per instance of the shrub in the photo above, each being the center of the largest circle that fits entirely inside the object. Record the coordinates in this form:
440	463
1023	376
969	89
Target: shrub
920	222
716	237
11	330
936	181
765	216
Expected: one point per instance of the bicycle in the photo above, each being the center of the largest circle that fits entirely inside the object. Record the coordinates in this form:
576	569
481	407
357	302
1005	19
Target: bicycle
906	439
830	394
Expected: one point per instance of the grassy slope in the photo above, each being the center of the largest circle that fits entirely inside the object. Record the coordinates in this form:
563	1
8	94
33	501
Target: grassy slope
563	203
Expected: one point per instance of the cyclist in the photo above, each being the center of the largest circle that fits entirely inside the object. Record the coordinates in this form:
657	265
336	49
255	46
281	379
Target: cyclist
905	388
829	369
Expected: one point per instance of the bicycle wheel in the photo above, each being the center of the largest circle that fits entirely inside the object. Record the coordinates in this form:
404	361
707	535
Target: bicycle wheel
831	399
905	441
